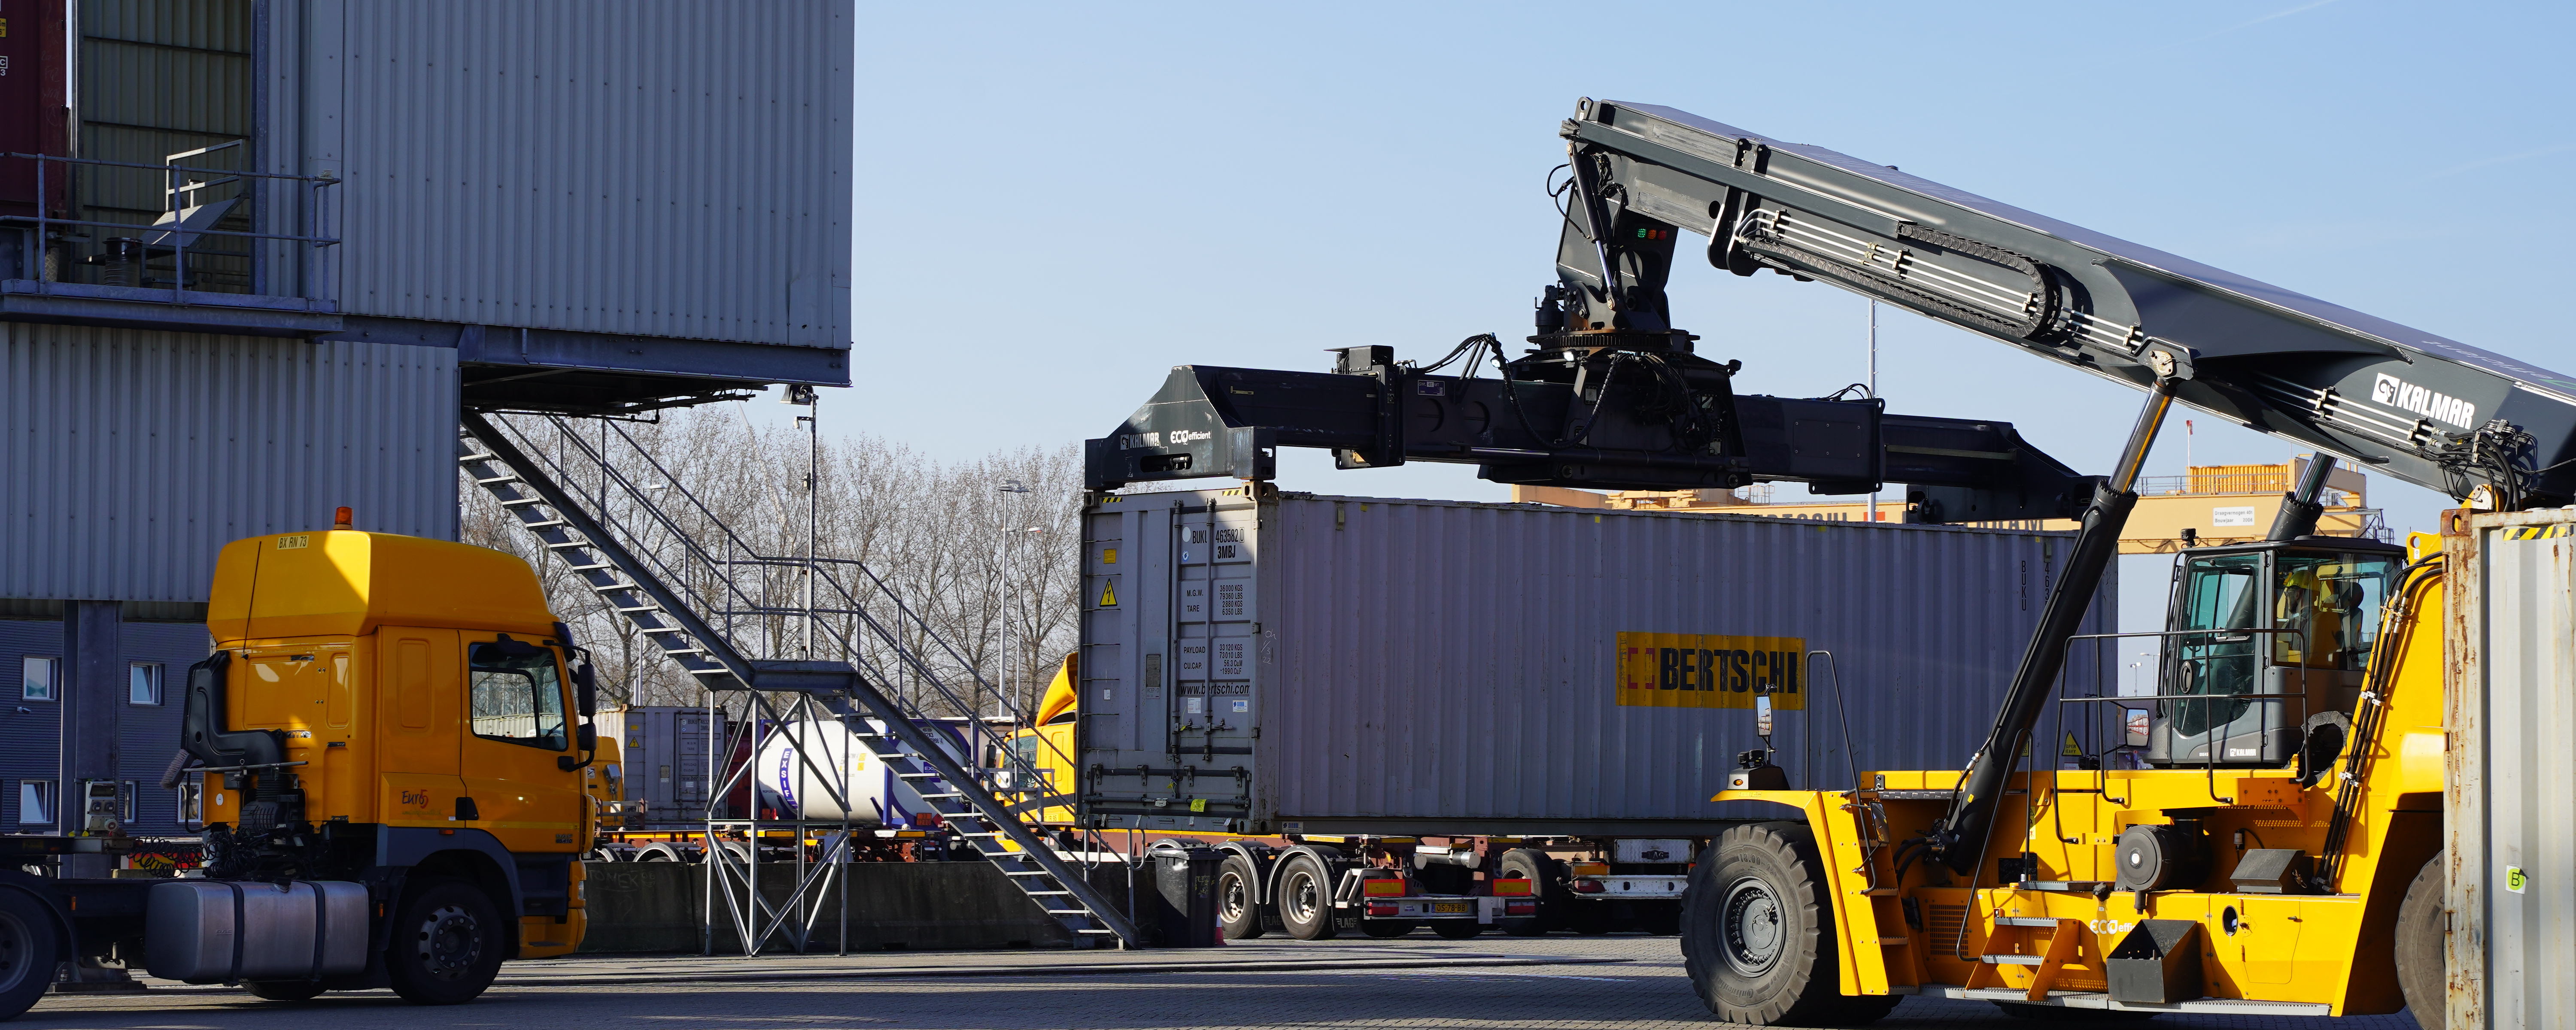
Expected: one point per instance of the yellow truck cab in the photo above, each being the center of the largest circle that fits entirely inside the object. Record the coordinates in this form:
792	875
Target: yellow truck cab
405	715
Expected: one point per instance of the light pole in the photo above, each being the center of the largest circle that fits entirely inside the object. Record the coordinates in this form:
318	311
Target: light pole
1002	572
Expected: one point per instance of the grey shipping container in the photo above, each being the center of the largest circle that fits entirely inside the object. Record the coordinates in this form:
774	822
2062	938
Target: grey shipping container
1289	663
2509	801
664	753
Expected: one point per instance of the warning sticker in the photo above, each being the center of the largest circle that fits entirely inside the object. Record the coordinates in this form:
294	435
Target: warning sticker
1691	670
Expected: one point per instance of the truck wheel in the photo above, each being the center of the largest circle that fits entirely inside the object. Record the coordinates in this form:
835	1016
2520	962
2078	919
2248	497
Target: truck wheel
28	952
2419	945
1533	865
1237	884
446	943
284	990
1384	928
1757	939
1457	929
1304	895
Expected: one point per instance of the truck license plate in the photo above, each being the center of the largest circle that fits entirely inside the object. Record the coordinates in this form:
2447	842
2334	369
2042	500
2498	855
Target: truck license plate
1445	908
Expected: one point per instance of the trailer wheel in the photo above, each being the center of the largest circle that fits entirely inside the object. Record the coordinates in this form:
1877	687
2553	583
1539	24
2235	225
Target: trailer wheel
28	952
1533	865
446	944
1238	890
1756	938
284	990
1304	896
1384	928
2419	945
1457	929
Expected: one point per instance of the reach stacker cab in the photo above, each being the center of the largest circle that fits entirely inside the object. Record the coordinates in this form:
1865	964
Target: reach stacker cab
393	740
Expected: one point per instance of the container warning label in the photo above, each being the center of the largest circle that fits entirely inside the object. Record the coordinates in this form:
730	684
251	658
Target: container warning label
1691	670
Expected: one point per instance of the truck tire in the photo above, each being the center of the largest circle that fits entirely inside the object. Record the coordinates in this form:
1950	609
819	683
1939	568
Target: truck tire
2418	941
1457	929
1304	896
29	950
284	990
447	942
1533	865
1238	893
1757	937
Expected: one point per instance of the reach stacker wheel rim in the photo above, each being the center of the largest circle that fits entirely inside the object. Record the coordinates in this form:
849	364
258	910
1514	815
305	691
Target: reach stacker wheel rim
1749	920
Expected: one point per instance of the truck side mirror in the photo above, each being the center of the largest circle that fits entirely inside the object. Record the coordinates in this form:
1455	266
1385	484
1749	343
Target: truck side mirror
2135	727
585	685
1762	716
588	735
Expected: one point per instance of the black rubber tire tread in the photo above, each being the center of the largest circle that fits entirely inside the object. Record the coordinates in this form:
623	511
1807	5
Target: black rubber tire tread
1535	865
2062	1014
2418	940
1245	925
410	976
1801	987
32	947
1457	929
1298	867
284	990
1385	928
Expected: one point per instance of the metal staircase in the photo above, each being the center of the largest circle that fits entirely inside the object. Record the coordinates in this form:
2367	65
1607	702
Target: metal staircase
636	583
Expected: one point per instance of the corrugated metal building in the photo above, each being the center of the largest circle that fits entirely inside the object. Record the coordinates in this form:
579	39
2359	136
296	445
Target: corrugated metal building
274	246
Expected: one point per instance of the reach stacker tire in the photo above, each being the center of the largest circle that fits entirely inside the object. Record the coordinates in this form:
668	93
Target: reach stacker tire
1304	896
2419	945
1757	938
29	949
1238	890
446	943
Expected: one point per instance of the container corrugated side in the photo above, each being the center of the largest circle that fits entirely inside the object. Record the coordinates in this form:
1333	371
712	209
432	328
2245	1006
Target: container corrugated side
132	456
2510	796
1424	663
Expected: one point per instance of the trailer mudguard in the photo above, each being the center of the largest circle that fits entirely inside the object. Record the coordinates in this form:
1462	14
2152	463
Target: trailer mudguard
1838	840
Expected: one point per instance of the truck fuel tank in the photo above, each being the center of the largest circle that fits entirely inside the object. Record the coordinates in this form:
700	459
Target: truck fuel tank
204	931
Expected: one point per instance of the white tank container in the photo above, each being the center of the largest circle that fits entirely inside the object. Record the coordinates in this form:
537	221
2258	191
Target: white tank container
820	770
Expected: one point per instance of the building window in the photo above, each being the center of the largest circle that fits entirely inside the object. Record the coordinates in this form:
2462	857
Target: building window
143	683
42	674
35	802
192	803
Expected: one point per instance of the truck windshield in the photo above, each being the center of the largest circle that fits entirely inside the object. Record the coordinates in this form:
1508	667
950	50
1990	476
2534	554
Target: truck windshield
516	696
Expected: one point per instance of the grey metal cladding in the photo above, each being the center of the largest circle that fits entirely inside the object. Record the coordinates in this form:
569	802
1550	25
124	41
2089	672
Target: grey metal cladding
132	456
645	167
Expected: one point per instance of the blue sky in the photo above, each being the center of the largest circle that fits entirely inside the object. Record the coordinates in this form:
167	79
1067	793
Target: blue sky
1054	205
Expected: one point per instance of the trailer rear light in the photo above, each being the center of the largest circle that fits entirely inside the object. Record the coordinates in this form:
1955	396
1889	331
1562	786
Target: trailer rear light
1511	888
1520	908
1591	868
1382	908
1588	887
1382	888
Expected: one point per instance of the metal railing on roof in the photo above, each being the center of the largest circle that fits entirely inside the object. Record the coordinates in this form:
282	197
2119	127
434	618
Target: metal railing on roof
183	221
